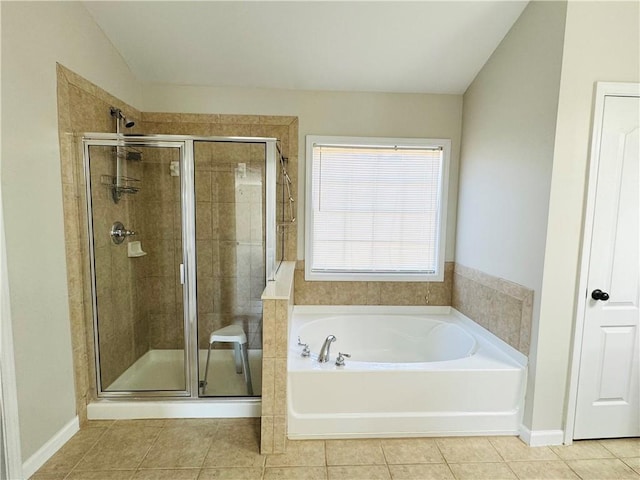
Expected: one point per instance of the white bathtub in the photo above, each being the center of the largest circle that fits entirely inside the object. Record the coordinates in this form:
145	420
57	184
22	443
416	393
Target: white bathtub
413	371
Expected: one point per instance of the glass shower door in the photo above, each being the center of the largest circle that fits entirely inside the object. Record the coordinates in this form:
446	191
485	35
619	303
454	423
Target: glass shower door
135	217
230	262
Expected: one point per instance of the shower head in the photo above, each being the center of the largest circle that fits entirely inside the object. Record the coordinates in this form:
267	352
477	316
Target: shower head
117	113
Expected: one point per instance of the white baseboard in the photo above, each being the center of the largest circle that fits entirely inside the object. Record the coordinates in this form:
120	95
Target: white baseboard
44	453
540	438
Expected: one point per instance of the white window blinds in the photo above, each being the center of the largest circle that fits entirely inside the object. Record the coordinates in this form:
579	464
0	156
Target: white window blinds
375	209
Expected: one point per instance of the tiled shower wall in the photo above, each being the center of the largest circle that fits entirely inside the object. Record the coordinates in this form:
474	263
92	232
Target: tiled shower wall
230	238
84	107
122	325
230	203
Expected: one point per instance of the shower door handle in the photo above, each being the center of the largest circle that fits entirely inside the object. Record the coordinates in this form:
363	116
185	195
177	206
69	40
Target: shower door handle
182	274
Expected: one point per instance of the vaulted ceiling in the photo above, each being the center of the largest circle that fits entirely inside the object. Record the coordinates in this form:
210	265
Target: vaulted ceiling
386	46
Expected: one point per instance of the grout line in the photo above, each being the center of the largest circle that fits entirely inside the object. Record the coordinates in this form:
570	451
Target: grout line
88	450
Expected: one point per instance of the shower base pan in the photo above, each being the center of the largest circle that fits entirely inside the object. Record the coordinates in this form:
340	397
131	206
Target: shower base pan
164	370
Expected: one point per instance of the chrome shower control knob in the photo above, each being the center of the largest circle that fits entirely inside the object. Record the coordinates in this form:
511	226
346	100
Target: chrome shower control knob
119	233
340	359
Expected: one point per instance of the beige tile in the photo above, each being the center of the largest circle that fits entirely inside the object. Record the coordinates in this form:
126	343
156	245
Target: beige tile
234	452
180	447
244	427
181	474
120	448
354	452
416	450
268	386
295	473
279	434
48	475
421	472
362	472
482	471
633	462
623	447
72	452
266	434
602	469
582	449
467	450
552	470
280	387
512	449
237	473
209	423
299	453
99	423
101	475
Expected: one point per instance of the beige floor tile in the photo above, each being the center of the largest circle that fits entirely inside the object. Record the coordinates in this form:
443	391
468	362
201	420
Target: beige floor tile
623	447
234	452
354	452
180	447
514	449
101	475
299	453
360	472
603	469
72	452
583	449
231	473
467	450
295	473
411	450
633	462
99	423
148	422
120	448
482	471
182	474
243	431
192	422
48	476
543	470
421	472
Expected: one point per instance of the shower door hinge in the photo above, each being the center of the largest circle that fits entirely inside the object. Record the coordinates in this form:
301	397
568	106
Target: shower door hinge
182	274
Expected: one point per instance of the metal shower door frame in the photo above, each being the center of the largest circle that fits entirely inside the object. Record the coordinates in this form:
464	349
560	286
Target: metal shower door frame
185	144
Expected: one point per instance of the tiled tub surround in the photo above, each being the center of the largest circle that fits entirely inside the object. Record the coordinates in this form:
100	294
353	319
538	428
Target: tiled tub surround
373	293
413	371
502	307
277	302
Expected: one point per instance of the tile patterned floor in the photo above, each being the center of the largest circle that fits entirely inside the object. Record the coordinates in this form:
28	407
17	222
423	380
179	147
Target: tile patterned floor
228	449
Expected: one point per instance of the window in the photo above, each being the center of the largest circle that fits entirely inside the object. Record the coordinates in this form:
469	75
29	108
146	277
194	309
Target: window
376	208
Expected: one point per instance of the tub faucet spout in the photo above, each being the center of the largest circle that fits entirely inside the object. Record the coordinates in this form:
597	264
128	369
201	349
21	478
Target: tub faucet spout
323	356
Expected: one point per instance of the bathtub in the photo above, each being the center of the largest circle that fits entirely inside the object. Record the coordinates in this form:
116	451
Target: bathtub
413	371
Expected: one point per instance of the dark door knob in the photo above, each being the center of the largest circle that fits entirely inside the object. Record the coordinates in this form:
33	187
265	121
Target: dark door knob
598	294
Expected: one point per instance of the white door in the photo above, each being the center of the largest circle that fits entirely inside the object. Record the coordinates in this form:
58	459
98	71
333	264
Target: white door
608	397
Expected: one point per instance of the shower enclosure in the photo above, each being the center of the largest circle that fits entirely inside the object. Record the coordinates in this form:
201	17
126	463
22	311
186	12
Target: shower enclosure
182	236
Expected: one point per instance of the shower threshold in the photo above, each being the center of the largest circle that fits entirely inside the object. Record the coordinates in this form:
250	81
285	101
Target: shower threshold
164	370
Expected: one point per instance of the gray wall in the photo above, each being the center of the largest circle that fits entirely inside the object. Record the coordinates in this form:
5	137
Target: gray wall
36	35
509	122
